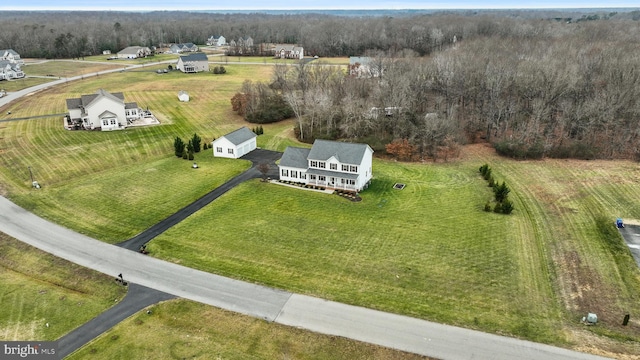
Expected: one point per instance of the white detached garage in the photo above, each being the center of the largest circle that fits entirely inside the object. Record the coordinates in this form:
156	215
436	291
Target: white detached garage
235	144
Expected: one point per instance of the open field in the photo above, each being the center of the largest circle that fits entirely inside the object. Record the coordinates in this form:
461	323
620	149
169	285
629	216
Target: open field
65	68
427	251
38	288
183	329
19	84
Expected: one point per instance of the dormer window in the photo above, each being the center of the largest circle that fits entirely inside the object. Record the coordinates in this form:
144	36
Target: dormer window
333	166
353	168
322	165
314	164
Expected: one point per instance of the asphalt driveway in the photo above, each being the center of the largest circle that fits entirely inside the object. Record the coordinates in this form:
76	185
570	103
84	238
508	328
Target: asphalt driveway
631	235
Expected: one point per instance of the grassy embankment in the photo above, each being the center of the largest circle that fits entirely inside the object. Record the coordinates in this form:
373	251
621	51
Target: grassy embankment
426	251
183	329
38	288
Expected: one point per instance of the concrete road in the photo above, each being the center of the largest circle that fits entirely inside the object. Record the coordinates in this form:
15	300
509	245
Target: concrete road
394	331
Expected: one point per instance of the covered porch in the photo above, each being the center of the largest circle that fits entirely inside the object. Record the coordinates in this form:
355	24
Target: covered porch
332	179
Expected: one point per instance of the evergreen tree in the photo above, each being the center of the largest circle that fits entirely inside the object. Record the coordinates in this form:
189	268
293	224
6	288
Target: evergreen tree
501	191
178	146
195	141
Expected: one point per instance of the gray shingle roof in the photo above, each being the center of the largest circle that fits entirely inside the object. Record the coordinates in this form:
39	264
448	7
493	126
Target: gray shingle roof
295	157
239	136
345	153
85	100
195	57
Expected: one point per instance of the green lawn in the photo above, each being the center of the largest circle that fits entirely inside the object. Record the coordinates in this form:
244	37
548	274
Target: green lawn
38	288
427	251
183	329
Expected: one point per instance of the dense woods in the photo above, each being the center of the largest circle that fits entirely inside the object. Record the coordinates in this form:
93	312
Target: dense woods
555	85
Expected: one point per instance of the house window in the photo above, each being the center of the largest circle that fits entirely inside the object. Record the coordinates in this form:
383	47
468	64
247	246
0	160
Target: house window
303	175
321	178
353	168
312	177
219	149
345	168
333	166
351	182
112	121
294	174
105	122
322	165
230	151
285	172
314	163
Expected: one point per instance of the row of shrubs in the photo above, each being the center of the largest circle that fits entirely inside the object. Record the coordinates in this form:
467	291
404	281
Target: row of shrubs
522	151
258	130
500	191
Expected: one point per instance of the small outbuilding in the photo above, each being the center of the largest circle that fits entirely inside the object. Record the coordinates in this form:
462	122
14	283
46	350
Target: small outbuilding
235	144
183	96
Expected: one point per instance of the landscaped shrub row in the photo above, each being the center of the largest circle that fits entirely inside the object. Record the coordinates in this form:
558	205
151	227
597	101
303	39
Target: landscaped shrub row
258	130
501	192
193	146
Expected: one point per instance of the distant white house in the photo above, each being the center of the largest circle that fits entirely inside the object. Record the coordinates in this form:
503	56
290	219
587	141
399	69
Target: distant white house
289	51
11	56
10	65
182	48
216	40
235	144
193	63
102	110
330	164
134	52
9	70
183	96
364	67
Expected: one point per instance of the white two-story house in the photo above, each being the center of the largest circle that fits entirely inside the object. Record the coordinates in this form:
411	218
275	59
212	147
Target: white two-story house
102	110
330	164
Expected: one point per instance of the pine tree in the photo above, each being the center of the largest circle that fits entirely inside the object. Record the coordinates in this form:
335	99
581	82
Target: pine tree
178	146
195	141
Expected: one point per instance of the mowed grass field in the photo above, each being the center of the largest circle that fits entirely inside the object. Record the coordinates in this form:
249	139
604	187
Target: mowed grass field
183	329
38	288
427	251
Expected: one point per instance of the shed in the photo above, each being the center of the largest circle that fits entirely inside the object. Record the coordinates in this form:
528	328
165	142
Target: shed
183	96
235	144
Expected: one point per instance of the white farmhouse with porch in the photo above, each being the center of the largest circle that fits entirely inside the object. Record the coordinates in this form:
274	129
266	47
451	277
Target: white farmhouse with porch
330	164
102	110
235	144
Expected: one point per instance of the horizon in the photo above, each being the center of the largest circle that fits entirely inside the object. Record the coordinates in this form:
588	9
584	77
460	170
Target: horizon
308	5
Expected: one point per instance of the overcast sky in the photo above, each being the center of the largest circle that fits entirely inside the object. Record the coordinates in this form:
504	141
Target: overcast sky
306	4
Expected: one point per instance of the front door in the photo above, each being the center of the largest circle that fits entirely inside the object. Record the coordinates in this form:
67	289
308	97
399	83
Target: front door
332	181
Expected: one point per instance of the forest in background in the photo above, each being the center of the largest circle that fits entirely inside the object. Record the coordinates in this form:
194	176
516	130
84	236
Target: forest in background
562	86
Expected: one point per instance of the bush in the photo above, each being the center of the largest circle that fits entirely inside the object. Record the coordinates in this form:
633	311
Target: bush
185	156
506	207
190	155
519	150
487	207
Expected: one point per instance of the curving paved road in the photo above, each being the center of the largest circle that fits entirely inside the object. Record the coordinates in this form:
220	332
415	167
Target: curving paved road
328	317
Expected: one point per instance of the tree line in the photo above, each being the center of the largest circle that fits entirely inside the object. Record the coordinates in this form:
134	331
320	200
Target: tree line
66	34
533	86
535	89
